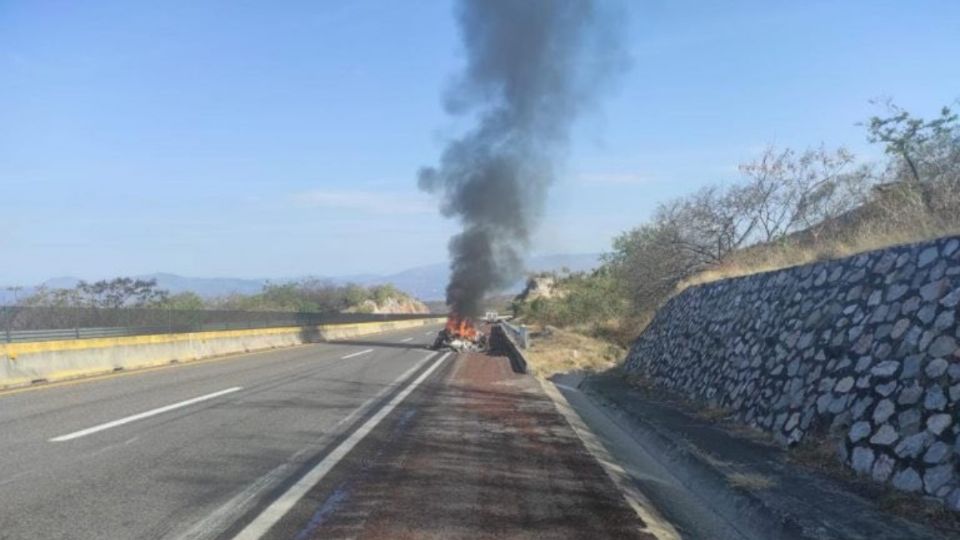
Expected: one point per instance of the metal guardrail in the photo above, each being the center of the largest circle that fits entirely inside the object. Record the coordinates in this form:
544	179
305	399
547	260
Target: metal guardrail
519	334
502	341
22	324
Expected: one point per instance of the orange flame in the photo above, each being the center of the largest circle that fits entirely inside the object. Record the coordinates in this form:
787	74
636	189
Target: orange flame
461	327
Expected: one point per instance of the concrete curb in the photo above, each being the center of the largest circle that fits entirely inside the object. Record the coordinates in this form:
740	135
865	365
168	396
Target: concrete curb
654	521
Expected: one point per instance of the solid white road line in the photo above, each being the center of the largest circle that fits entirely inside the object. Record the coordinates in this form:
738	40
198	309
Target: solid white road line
273	513
365	351
141	416
217	521
406	340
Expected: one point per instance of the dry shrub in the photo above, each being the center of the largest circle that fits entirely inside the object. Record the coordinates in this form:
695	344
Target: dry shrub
896	216
553	351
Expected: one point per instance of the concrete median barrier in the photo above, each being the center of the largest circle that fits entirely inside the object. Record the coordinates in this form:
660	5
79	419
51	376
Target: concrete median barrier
23	364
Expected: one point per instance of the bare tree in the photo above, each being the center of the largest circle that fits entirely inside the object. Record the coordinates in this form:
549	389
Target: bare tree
705	226
786	191
783	192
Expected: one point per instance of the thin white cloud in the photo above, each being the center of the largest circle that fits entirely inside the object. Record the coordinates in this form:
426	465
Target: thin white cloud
368	202
615	179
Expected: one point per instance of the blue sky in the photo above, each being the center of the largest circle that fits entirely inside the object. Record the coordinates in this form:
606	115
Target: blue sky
273	139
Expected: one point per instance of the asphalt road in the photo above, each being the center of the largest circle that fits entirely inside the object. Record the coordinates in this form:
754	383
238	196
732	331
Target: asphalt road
262	417
476	452
376	437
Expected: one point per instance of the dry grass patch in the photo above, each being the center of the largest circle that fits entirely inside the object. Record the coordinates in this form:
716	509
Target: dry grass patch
750	481
712	414
767	258
709	458
819	454
555	351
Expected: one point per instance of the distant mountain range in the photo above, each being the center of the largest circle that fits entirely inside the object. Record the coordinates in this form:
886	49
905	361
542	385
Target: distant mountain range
424	282
430	282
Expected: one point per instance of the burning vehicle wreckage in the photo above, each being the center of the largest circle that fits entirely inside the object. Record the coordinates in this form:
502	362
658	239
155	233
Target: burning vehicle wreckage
461	335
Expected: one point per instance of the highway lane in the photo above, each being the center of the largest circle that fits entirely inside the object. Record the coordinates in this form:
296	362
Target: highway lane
188	449
476	451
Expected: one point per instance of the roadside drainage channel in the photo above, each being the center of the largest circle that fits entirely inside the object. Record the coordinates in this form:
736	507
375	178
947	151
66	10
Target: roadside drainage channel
792	504
796	505
710	503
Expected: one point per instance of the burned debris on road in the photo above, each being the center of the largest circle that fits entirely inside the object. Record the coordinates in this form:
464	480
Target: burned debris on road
461	335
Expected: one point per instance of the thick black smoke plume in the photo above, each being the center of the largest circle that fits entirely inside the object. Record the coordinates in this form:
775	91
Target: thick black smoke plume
532	66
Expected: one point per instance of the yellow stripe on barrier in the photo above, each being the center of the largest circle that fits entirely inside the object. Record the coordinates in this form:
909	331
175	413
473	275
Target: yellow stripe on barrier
12	350
62	360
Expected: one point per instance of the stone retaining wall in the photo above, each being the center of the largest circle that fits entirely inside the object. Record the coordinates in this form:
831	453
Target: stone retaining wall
863	349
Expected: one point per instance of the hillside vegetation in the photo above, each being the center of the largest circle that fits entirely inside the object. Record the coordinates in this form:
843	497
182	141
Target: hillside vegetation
787	208
554	350
313	296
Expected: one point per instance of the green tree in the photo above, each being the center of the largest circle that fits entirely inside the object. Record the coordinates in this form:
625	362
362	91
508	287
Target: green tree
383	293
47	297
907	137
354	295
115	293
121	292
184	301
